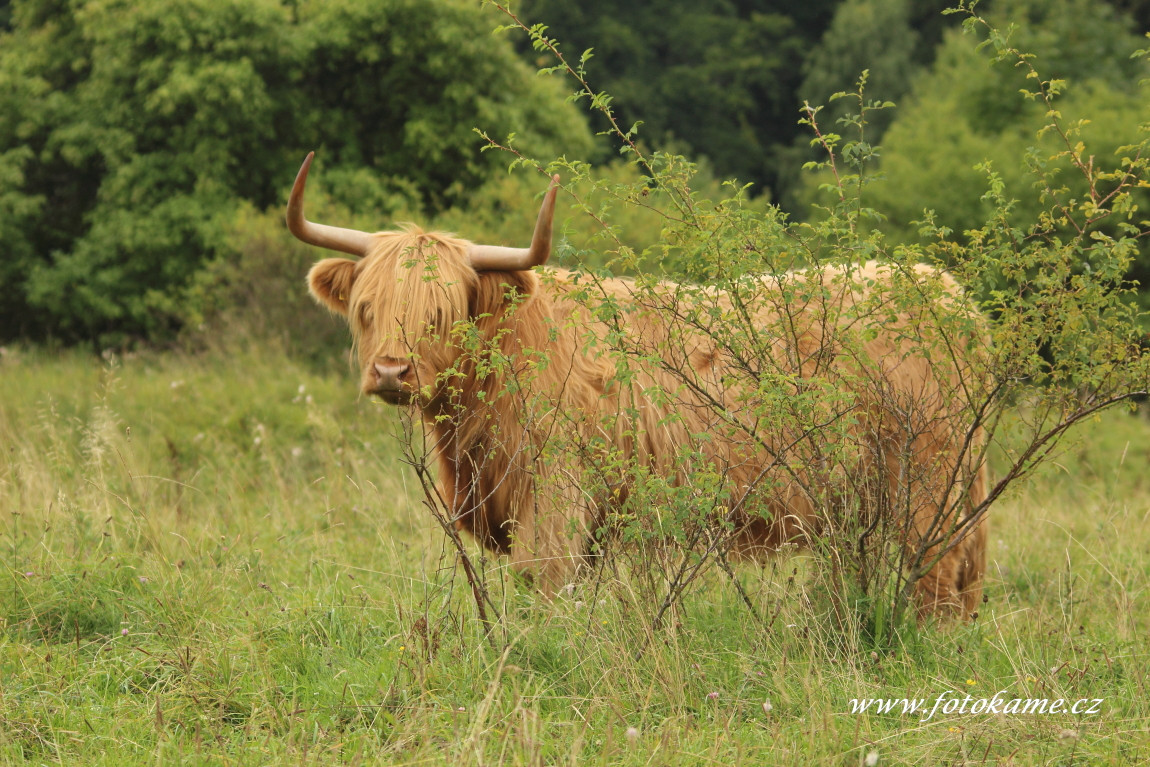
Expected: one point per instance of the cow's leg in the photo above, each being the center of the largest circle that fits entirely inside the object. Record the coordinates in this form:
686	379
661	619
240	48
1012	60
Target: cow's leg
931	498
549	540
973	547
973	568
936	593
954	585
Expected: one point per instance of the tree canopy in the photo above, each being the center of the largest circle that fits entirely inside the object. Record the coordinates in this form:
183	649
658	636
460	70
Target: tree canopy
130	130
715	78
967	111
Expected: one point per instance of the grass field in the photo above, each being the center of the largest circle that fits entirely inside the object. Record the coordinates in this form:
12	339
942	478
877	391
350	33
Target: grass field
220	559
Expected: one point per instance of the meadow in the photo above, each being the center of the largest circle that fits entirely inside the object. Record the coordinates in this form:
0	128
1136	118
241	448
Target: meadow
220	558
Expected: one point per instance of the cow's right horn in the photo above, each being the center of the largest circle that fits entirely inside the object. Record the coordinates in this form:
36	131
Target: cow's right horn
494	258
349	241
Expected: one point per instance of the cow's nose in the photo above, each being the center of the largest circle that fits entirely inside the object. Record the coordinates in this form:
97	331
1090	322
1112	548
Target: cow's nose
390	373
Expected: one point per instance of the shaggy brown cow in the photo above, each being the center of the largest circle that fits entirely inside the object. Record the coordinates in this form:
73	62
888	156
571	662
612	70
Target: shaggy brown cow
502	360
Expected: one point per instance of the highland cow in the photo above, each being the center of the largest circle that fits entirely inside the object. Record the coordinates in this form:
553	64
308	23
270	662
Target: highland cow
527	390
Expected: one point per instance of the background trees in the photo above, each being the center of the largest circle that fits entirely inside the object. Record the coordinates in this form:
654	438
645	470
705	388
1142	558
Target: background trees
966	109
129	132
132	132
714	78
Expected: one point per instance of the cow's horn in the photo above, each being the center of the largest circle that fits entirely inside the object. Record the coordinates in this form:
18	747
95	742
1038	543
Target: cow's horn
349	241
500	259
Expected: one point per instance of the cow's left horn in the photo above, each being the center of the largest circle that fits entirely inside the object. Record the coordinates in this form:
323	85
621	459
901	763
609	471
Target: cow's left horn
494	258
349	241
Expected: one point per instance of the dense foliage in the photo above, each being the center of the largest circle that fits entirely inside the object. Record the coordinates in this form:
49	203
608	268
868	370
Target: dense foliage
967	111
713	78
129	131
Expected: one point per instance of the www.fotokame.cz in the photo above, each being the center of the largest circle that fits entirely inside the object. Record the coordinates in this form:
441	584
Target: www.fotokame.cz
953	702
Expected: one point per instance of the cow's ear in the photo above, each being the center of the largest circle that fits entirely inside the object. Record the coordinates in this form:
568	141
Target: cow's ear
330	282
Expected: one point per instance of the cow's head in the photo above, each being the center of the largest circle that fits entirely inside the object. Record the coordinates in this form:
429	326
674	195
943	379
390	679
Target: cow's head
406	291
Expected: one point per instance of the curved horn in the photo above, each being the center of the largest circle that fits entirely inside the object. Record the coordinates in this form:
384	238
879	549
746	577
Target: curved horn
349	241
494	258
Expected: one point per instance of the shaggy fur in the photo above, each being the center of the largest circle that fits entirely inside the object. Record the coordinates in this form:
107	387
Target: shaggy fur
535	374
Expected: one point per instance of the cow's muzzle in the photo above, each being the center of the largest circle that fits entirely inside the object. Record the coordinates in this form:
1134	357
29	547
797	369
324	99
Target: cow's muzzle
392	380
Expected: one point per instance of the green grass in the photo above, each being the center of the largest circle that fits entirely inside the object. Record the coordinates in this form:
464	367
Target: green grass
220	559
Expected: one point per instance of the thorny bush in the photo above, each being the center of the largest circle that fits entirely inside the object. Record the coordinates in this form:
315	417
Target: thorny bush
768	383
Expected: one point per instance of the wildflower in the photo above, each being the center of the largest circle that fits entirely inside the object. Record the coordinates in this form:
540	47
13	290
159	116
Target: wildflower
767	707
29	574
123	632
402	647
970	682
871	759
632	734
713	695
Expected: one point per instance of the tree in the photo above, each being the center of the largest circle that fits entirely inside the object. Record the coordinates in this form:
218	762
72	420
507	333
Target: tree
875	36
716	78
968	111
130	130
872	35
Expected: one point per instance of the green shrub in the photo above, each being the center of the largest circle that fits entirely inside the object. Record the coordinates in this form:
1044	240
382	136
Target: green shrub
866	400
131	131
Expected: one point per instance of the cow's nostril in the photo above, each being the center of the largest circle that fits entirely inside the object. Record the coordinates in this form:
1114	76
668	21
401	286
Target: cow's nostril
391	374
392	371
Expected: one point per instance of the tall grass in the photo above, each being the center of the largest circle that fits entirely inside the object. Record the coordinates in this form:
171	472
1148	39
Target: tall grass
219	559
